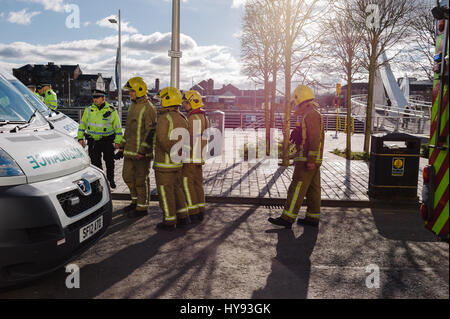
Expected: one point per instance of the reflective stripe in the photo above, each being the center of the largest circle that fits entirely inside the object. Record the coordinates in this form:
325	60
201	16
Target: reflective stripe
130	153
285	212
294	201
165	206
166	155
315	216
183	210
201	205
138	141
142	206
188	194
164	165
146	190
99	125
100	133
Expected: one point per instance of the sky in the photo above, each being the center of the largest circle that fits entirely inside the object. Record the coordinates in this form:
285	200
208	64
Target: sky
42	31
78	32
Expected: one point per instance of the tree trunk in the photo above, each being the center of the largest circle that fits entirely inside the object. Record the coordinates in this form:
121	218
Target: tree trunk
349	116
368	133
267	112
287	95
273	98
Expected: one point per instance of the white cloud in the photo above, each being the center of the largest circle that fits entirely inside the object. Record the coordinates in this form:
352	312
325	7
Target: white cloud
143	55
86	24
238	3
22	17
125	26
2	14
52	5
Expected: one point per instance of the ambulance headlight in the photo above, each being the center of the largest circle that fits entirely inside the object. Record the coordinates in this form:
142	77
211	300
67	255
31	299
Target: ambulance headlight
8	167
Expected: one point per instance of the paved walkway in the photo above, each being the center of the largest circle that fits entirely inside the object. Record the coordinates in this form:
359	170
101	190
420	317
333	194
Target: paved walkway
231	179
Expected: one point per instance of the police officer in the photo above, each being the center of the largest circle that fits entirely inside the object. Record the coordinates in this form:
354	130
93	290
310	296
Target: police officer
168	171
192	168
101	127
137	147
50	98
309	139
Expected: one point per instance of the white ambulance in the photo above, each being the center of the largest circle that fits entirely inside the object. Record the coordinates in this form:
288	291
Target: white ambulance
59	120
53	204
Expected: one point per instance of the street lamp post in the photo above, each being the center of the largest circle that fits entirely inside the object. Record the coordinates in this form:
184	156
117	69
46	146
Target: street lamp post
175	52
119	84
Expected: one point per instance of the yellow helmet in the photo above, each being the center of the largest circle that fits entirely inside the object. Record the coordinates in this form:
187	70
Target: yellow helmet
302	94
194	99
138	85
170	96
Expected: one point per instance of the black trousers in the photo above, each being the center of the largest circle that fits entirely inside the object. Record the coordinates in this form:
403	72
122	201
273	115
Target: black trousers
105	147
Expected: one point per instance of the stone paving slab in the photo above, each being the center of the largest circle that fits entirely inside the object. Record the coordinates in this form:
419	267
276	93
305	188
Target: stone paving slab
233	178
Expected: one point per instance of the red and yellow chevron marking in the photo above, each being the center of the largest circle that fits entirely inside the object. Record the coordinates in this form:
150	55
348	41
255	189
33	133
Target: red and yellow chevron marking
439	158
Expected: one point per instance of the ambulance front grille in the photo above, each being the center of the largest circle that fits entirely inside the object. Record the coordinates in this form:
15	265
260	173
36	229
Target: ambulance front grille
74	203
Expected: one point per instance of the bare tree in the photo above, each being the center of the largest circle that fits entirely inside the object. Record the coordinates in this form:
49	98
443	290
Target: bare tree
343	42
258	52
297	47
384	24
423	42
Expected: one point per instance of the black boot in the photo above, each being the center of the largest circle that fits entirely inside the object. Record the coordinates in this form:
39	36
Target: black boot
137	213
164	226
200	217
280	222
112	184
183	222
307	222
129	208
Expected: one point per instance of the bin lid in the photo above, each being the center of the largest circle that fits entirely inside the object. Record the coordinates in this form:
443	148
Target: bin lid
396	137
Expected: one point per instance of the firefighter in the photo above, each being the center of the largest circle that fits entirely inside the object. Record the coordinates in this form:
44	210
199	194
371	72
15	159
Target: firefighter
40	92
309	139
193	166
50	98
168	171
137	147
100	126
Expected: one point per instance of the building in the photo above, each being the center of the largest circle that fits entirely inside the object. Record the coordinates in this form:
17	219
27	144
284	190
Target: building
229	97
84	85
72	87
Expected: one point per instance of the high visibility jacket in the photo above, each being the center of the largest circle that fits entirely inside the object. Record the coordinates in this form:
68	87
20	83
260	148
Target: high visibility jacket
312	136
139	129
198	123
50	99
98	123
39	96
169	119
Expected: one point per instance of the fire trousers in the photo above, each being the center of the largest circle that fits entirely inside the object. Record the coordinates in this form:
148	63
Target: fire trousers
136	175
304	183
171	196
193	188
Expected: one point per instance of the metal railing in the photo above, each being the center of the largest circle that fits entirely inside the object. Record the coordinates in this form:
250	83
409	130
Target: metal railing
394	119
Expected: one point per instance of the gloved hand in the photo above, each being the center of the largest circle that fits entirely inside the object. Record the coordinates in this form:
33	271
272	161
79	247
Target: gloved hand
119	155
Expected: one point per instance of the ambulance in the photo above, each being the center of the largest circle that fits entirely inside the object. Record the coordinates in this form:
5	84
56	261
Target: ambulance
60	121
53	204
435	207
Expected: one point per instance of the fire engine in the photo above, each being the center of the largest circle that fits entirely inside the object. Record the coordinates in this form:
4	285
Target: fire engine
434	210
